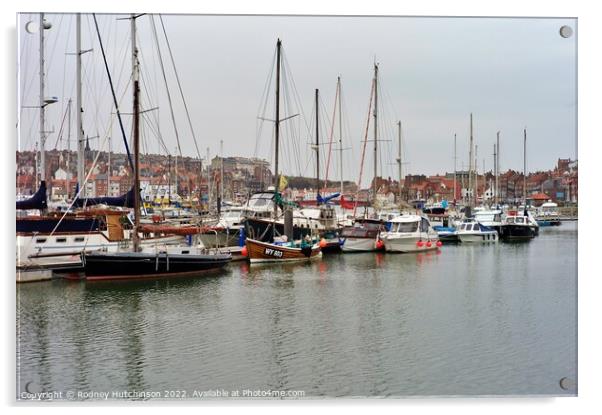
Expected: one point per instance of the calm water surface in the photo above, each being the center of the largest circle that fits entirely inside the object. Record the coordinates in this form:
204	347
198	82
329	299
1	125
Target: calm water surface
470	320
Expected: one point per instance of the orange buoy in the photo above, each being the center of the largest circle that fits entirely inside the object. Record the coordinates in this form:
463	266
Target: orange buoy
243	251
323	243
380	244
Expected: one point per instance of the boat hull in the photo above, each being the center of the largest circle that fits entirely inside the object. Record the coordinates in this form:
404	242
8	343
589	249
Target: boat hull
514	232
360	245
102	266
267	252
478	237
408	244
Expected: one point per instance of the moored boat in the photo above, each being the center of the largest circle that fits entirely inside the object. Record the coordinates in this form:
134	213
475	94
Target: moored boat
472	231
410	233
516	228
363	236
171	262
259	251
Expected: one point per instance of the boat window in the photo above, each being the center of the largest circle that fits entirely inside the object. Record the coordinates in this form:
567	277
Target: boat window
185	252
61	240
40	240
520	220
462	227
79	239
407	227
510	220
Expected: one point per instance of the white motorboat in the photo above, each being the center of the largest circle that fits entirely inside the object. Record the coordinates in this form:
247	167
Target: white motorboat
471	230
362	236
410	233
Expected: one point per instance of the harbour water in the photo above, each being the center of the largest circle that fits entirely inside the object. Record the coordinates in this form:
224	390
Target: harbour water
470	320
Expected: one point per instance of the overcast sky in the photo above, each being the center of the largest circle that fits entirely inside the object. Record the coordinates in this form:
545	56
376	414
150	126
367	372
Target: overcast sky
510	73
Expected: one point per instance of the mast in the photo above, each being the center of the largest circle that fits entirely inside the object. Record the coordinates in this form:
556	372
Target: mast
135	76
470	160
340	133
109	169
176	173
277	130
69	125
375	130
399	157
169	178
525	169
42	104
220	195
497	175
208	180
455	169
317	148
81	159
476	176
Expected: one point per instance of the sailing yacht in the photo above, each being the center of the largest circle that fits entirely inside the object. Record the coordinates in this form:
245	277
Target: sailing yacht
143	262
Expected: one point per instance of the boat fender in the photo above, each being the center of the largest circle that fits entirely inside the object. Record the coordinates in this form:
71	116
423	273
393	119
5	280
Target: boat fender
439	243
429	244
244	251
380	244
419	244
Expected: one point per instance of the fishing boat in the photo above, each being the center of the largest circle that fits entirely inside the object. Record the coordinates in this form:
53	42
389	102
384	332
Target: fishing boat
265	243
471	230
363	236
410	233
258	251
141	263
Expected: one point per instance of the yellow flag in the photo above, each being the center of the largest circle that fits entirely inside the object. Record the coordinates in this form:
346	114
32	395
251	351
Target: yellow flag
283	183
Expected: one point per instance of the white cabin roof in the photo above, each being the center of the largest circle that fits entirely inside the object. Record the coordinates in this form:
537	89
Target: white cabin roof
406	219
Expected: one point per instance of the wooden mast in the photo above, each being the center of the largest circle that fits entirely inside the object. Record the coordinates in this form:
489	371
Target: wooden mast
455	170
277	133
375	131
399	157
135	236
340	133
317	148
525	169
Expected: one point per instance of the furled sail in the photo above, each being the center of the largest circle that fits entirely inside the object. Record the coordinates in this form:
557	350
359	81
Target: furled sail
37	201
125	200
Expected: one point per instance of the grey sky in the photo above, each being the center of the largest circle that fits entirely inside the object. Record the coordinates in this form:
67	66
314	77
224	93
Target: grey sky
510	73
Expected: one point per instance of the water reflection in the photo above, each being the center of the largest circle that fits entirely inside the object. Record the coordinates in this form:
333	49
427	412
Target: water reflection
469	320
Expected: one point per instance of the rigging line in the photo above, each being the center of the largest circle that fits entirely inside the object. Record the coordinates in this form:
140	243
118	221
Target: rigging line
259	122
65	67
56	41
60	134
125	141
180	88
173	117
295	93
324	123
94	163
336	96
359	182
